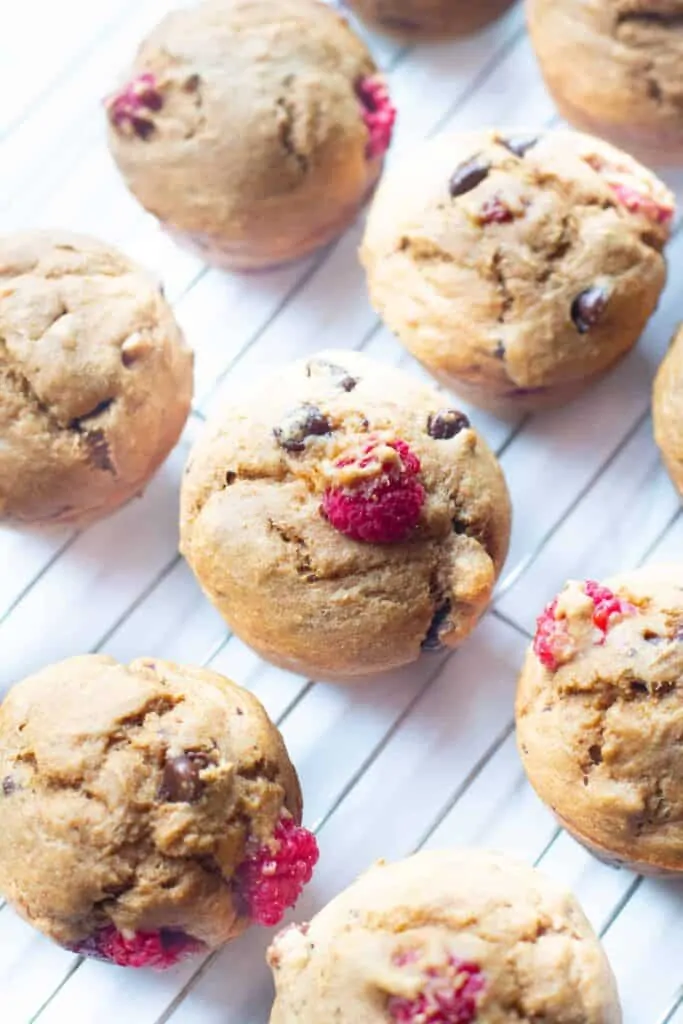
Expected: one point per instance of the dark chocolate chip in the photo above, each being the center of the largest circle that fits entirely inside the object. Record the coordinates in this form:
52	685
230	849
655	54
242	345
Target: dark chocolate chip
432	641
588	308
230	477
468	176
308	421
99	450
446	423
638	686
180	782
519	144
8	785
191	83
344	379
499	351
460	526
595	754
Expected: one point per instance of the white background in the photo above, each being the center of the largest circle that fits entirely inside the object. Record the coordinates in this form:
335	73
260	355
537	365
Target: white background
426	756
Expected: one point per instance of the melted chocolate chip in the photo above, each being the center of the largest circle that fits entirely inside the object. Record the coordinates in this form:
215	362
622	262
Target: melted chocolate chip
446	423
432	641
519	144
180	782
308	421
588	308
344	379
8	785
468	176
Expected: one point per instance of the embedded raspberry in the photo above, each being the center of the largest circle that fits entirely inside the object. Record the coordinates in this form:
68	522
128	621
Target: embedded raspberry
159	950
448	997
379	114
607	605
635	200
552	643
383	504
272	879
495	211
129	109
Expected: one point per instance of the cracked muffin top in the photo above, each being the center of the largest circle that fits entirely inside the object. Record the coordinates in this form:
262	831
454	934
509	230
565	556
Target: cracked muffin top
251	123
147	811
516	266
95	378
614	67
341	516
445	937
600	716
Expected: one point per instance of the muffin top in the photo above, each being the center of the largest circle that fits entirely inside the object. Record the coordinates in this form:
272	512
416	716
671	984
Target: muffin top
516	260
137	798
455	936
668	408
600	715
240	110
95	377
341	515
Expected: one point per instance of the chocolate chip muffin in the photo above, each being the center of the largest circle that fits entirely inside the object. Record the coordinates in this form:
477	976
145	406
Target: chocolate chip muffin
517	267
147	812
448	937
600	716
614	68
342	517
428	19
666	409
254	129
95	378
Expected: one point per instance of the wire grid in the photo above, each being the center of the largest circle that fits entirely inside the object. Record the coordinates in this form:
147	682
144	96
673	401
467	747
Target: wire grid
422	757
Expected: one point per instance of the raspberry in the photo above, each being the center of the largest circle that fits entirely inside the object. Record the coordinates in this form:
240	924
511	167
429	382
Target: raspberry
553	644
159	950
447	998
272	879
382	504
128	109
634	199
495	211
379	114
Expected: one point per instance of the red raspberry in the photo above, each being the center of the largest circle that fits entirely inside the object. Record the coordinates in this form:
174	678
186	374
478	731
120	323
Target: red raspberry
495	211
553	644
272	879
449	998
128	109
379	508
379	114
636	200
158	950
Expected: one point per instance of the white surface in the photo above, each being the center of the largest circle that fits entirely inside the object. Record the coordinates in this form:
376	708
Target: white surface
426	756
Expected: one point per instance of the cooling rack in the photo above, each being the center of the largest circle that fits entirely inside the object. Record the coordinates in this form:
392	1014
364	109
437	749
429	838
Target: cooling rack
424	757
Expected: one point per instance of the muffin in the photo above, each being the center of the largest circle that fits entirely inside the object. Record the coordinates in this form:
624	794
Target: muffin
341	518
95	378
253	129
517	267
427	19
147	812
613	68
666	409
447	937
600	716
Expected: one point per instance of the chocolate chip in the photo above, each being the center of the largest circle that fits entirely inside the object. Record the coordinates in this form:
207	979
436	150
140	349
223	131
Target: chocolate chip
432	641
519	144
180	782
446	423
99	450
230	478
345	381
8	785
468	176
308	421
499	351
588	308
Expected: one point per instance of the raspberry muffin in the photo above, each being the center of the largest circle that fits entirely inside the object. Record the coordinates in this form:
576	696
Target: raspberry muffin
342	517
448	937
254	129
600	716
614	68
95	378
148	811
666	409
517	267
428	19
